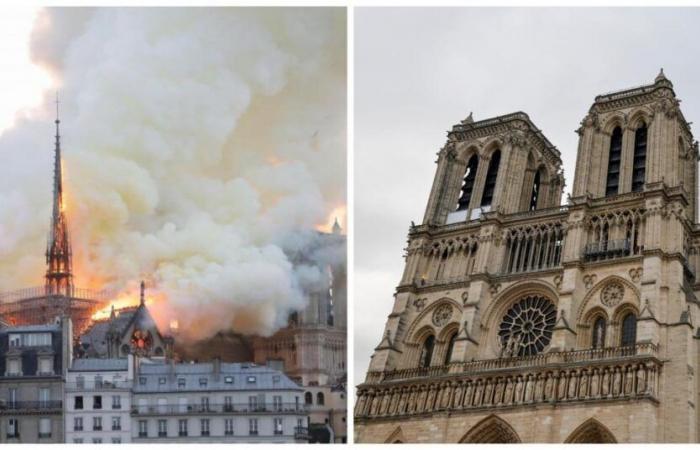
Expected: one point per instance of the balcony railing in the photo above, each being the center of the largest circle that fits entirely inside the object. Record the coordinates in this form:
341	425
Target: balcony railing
603	250
301	433
31	406
232	408
103	386
542	359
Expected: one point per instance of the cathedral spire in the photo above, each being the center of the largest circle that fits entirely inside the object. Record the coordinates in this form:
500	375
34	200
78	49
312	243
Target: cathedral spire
59	271
143	293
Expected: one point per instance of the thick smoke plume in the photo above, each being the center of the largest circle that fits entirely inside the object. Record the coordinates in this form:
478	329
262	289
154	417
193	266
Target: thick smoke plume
199	145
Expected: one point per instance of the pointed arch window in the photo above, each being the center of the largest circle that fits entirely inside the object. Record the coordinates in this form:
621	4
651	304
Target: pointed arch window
450	348
535	194
468	183
598	334
613	180
629	330
426	354
491	176
640	158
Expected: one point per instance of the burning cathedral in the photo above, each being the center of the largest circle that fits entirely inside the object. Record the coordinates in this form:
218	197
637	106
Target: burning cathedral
311	349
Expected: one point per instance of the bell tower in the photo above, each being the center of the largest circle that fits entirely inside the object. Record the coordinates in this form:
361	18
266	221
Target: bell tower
636	140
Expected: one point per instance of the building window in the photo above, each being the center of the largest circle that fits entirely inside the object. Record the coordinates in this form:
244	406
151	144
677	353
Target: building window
116	402
320	399
77	424
251	379
161	380
629	330
278	425
598	334
277	402
77	440
640	158
182	427
143	428
253	427
142	381
14	367
228	403
468	183
97	402
228	380
12	398
491	177
78	403
202	382
426	353
46	366
181	382
527	327
204	425
116	440
309	398
205	403
614	156
116	423
80	382
44	396
98	381
450	348
13	428
96	440
253	403
162	428
228	427
97	424
45	427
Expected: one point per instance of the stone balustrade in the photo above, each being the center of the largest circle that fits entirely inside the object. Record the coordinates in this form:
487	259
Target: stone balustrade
574	376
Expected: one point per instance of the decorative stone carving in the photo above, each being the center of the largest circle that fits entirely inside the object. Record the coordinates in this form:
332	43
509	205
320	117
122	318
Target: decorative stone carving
589	280
419	303
442	315
557	281
612	294
494	288
636	274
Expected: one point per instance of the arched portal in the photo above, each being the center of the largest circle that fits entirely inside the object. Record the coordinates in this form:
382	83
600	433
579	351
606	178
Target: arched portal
591	432
491	430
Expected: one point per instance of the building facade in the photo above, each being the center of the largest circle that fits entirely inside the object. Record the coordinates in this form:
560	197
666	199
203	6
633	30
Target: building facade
216	402
32	363
98	401
519	319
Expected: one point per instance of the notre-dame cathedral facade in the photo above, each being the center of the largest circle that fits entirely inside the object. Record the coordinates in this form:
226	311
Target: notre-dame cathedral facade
519	319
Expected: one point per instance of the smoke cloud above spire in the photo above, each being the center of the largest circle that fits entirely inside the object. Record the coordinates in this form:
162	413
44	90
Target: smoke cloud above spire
198	144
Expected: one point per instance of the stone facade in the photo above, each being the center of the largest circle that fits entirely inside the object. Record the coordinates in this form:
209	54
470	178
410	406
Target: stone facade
519	319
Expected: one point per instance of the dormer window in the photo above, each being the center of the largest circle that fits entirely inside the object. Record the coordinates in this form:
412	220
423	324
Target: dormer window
251	379
14	366
228	380
45	365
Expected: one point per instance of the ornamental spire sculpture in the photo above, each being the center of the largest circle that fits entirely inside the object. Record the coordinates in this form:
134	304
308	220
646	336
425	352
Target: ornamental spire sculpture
59	271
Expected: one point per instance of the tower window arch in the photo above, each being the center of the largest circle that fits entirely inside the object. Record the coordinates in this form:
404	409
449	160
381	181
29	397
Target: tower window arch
640	158
628	335
535	194
491	176
613	179
450	348
320	399
598	333
426	354
468	183
308	398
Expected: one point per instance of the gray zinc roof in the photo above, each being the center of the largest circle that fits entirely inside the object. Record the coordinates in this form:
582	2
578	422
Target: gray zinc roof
163	377
99	364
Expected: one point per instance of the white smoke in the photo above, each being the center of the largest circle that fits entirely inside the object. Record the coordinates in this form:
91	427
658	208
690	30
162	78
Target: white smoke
196	142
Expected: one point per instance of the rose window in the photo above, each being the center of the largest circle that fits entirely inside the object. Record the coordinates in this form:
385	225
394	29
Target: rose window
612	294
526	328
442	315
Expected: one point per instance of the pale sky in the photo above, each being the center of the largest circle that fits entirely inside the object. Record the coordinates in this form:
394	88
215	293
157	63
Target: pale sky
418	71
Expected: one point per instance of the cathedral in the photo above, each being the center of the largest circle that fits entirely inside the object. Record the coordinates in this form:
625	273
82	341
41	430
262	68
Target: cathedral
519	319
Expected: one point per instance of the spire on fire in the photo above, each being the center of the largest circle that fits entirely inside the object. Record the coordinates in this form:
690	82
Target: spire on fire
143	293
59	271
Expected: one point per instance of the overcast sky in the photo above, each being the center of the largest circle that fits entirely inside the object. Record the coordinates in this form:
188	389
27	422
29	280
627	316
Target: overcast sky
418	71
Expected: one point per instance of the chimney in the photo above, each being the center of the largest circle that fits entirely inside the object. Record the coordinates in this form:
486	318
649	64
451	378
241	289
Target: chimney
130	365
66	343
